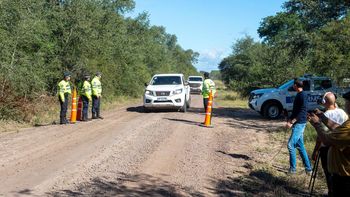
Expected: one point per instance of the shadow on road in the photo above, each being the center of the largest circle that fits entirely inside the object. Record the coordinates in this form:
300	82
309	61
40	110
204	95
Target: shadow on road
242	118
236	156
256	183
127	185
141	109
183	121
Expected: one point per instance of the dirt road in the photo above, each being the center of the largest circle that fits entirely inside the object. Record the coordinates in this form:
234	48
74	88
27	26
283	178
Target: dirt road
131	153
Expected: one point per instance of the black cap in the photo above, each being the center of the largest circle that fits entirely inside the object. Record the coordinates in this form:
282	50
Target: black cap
86	76
206	75
66	74
347	96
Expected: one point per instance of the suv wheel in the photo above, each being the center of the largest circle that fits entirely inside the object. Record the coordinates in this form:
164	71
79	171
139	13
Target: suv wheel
272	111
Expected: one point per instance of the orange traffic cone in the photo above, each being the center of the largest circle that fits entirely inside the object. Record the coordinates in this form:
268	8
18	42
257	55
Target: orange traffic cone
207	121
80	106
73	117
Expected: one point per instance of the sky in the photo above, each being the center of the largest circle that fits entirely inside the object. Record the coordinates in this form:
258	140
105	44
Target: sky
209	27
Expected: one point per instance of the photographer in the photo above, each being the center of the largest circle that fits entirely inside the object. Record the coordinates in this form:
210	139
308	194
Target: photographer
337	117
338	140
297	122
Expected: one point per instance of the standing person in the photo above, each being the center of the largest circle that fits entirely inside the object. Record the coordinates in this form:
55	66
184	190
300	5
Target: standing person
338	140
96	96
86	96
208	85
63	91
338	117
297	122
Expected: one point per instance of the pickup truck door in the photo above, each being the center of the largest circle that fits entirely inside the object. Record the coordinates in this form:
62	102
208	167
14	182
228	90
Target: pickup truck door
292	93
318	88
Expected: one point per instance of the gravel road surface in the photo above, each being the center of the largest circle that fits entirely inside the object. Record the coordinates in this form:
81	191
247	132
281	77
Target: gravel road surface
132	153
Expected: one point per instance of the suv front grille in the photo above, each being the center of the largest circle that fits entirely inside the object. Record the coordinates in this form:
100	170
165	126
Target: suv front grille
195	85
163	93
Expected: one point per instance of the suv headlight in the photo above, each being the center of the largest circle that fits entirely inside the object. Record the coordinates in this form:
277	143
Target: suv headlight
256	96
178	91
148	92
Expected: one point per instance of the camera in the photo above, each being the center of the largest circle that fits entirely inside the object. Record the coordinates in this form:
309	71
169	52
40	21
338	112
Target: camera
320	101
312	111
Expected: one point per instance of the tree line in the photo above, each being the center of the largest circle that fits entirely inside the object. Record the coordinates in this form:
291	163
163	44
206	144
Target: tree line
40	39
306	37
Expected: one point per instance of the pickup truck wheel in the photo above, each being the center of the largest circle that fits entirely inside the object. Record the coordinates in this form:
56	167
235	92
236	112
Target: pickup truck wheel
184	107
189	102
272	111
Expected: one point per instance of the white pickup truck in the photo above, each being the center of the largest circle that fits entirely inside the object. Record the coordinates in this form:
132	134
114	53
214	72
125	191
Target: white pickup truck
271	102
167	91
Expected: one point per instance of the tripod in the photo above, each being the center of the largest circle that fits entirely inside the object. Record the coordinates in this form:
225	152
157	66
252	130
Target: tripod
314	173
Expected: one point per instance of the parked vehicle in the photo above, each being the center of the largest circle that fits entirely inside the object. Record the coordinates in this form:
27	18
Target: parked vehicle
271	102
167	91
196	83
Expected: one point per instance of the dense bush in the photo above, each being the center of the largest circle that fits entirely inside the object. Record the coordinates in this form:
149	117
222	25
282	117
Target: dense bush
40	39
307	37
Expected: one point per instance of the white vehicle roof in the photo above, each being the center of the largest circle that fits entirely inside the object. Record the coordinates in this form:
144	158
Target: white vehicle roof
159	75
195	76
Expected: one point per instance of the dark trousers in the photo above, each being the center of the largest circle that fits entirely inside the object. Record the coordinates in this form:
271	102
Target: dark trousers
340	185
205	102
64	106
323	155
85	107
95	106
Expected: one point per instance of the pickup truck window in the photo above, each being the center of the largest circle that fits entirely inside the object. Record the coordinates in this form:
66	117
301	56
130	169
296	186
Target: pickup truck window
322	84
166	80
195	79
306	86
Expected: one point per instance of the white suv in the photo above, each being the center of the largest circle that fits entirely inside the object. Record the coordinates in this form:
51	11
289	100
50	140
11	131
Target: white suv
167	91
195	83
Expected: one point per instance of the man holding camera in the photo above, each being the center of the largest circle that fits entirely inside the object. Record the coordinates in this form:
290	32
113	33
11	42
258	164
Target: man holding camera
337	117
297	122
338	140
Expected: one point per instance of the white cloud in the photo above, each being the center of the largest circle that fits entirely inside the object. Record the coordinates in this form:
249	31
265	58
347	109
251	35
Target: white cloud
209	59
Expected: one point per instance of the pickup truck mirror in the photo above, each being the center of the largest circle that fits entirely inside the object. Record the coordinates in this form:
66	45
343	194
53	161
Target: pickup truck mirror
146	84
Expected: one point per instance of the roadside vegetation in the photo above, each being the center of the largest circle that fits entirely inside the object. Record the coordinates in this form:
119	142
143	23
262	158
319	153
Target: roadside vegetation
228	98
306	37
40	39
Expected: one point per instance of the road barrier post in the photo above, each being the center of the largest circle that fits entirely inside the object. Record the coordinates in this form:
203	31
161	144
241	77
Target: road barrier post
73	117
207	121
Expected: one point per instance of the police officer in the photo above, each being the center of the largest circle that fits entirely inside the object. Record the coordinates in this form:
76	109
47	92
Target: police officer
86	96
96	96
208	85
63	91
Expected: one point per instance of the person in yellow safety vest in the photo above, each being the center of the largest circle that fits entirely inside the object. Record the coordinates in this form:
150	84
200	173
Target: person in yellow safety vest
63	91
86	96
208	85
96	96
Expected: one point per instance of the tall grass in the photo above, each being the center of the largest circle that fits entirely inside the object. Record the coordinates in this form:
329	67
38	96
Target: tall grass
228	98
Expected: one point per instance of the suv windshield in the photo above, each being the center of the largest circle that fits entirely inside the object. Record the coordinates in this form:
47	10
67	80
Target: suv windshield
195	79
166	80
